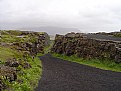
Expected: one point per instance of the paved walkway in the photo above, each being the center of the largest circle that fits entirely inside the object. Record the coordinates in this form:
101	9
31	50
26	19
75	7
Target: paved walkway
60	75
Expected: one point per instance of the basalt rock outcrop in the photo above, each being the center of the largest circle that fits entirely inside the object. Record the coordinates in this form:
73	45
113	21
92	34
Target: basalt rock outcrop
81	45
35	44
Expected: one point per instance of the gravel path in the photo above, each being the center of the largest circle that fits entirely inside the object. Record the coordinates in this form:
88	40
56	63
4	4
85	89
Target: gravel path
60	75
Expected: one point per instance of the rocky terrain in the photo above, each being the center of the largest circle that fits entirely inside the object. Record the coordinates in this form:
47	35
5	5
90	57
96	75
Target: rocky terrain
88	46
18	50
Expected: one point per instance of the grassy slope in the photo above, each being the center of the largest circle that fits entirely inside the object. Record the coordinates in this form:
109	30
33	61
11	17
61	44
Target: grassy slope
102	64
27	78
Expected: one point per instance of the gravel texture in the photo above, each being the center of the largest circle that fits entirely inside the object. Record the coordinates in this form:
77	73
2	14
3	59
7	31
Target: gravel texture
61	75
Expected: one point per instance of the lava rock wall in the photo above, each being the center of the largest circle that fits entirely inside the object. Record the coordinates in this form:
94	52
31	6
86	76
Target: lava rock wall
82	46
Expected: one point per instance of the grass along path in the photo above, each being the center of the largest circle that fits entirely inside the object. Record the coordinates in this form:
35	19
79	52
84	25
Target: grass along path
101	64
27	79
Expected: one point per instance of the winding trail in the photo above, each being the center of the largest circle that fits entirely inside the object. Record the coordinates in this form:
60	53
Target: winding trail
60	75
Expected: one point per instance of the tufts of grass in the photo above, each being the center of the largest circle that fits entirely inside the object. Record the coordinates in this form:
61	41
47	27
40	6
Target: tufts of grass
102	64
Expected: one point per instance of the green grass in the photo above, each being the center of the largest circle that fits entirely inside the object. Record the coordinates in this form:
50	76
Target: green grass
7	53
10	32
48	48
14	38
30	77
102	64
27	79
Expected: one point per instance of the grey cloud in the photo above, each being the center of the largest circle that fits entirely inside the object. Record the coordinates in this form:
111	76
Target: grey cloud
86	15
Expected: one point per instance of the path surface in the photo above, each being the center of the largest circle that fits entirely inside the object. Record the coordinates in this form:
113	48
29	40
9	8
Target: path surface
59	75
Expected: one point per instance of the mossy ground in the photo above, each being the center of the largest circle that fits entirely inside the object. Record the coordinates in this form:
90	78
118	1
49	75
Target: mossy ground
102	64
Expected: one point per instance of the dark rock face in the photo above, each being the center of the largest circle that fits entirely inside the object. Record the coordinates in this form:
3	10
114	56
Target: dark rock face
82	46
12	63
8	72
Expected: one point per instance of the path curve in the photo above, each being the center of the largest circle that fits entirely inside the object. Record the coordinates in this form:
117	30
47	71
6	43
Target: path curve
60	75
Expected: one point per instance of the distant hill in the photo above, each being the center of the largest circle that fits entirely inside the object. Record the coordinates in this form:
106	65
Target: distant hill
52	30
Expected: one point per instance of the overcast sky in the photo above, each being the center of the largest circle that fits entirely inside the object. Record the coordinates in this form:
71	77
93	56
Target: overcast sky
86	15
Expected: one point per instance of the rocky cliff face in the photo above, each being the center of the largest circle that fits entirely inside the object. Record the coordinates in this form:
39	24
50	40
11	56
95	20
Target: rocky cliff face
82	46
